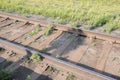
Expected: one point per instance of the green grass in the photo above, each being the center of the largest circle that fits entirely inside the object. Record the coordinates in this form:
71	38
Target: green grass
74	24
70	76
28	77
58	56
49	69
48	30
35	31
35	57
61	21
94	13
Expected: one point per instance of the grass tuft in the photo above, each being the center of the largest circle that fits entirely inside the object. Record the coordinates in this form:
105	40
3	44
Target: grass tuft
35	57
49	69
28	77
70	76
58	56
48	30
37	29
61	21
75	24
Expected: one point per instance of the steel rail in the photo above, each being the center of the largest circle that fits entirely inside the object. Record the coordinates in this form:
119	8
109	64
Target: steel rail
66	28
76	69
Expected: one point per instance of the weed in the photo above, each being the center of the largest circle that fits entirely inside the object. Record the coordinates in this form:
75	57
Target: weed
5	75
49	69
27	61
48	30
108	29
61	21
37	29
115	58
93	42
112	25
102	20
58	56
28	77
70	76
35	57
74	24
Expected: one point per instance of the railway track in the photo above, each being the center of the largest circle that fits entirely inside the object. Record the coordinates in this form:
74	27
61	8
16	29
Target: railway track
64	52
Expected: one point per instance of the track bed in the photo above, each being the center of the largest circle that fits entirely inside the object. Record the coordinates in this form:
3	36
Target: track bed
94	51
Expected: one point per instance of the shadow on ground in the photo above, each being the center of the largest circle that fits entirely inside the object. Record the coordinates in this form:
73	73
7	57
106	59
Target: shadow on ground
20	73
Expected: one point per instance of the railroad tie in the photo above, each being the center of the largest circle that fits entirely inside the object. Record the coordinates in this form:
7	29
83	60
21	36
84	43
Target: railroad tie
77	54
33	38
12	28
7	23
61	76
4	56
24	31
38	70
47	41
2	19
61	49
107	46
16	64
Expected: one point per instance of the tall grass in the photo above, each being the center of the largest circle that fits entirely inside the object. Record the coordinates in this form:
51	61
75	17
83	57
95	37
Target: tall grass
94	13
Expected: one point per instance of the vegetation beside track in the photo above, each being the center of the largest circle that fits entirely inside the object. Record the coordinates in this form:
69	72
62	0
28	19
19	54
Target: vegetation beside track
93	13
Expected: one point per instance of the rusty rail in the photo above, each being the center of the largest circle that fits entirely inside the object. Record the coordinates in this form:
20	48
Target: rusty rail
60	63
87	33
